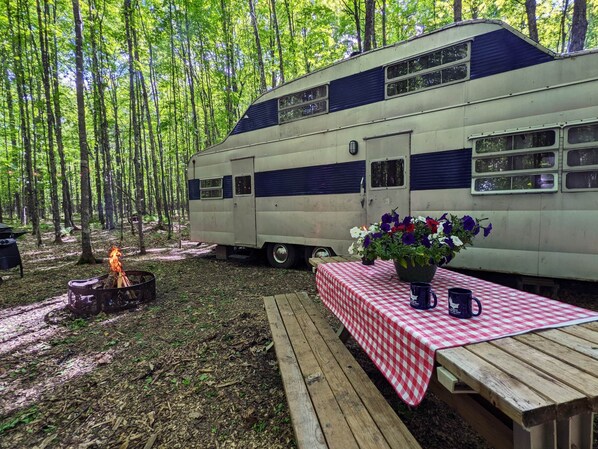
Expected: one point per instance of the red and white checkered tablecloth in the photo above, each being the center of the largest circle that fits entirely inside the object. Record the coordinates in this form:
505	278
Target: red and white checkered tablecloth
374	307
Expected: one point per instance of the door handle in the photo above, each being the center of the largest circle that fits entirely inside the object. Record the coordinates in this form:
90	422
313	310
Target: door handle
362	191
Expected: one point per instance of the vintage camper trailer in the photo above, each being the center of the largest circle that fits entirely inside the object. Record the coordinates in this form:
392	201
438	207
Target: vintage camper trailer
471	119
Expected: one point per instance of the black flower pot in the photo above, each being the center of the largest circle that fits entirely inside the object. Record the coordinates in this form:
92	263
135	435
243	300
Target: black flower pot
367	261
415	273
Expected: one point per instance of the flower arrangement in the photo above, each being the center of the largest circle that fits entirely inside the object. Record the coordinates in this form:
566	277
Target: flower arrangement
416	240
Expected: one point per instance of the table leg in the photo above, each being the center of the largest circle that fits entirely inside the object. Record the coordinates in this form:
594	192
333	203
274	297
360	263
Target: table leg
343	333
576	431
537	437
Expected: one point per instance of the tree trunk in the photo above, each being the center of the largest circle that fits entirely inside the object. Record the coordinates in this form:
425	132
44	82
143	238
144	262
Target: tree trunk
278	44
86	250
579	26
530	10
67	206
370	29
155	96
23	95
384	23
563	36
139	201
43	41
258	47
12	131
458	10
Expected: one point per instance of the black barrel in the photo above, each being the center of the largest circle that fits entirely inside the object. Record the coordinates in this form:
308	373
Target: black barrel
9	255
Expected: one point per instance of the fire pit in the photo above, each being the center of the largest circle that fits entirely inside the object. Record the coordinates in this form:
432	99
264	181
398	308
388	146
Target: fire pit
111	292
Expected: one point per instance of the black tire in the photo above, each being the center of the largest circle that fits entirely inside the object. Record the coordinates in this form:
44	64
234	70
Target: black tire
317	251
281	255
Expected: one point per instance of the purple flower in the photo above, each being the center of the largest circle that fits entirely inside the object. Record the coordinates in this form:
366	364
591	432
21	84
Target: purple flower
468	223
366	241
426	242
447	227
443	217
376	235
487	230
386	218
449	242
385	226
408	238
476	230
406	220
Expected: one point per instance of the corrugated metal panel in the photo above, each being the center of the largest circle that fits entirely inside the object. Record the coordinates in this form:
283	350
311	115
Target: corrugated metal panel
356	90
260	115
314	180
227	186
193	189
443	170
501	51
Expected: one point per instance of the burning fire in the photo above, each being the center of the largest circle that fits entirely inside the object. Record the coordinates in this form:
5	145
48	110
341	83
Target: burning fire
116	269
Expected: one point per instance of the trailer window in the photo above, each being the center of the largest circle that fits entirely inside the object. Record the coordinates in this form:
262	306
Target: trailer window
388	173
210	189
522	162
243	185
440	67
581	158
303	104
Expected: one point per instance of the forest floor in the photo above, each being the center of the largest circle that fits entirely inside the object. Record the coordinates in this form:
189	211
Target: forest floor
188	370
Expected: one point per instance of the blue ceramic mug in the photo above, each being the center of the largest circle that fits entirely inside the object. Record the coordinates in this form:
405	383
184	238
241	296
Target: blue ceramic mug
421	296
460	302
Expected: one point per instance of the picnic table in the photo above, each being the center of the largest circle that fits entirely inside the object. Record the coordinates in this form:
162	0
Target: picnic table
523	374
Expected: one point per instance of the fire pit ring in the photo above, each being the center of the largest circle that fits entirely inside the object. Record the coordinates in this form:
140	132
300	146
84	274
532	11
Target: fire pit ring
88	297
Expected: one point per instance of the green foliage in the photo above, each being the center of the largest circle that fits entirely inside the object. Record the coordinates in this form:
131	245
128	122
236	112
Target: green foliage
24	417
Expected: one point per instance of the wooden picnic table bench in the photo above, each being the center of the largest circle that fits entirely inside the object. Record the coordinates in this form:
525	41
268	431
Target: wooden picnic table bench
332	401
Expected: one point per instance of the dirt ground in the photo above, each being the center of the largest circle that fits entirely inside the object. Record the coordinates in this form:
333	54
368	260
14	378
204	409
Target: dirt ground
188	370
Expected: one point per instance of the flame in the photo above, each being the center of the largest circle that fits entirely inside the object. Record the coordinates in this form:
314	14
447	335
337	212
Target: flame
114	261
117	268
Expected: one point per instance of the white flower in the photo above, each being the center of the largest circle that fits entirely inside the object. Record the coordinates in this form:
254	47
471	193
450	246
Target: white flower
352	248
420	218
372	228
356	232
456	241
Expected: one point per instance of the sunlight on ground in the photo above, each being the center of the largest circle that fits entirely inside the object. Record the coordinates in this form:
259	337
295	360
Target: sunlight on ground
26	337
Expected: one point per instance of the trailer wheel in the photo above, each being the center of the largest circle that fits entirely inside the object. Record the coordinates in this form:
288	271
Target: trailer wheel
317	251
281	255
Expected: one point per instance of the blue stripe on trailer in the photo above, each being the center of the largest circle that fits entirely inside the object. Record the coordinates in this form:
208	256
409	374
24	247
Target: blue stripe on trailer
193	189
227	186
501	51
357	90
441	170
314	180
260	115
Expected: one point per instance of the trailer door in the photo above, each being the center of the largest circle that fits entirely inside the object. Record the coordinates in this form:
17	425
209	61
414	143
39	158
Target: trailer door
244	202
387	175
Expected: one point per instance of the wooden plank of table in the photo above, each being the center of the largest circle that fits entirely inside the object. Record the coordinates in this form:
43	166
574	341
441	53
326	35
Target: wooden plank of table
364	428
553	366
305	423
571	341
513	397
591	325
569	401
582	332
337	431
387	420
577	359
